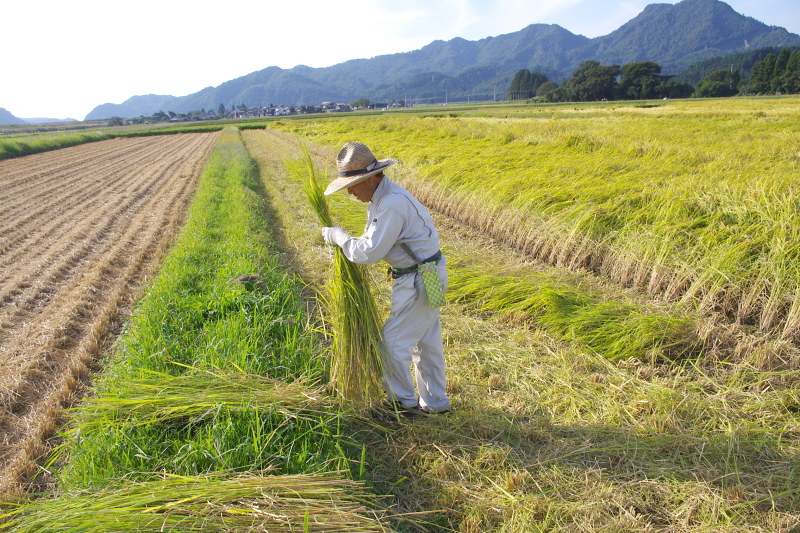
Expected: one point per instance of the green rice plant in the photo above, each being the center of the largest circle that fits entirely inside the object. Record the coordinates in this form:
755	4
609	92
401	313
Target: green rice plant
553	436
356	360
615	328
221	502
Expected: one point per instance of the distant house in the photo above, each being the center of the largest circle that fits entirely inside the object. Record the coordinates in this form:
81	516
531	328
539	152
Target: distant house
338	108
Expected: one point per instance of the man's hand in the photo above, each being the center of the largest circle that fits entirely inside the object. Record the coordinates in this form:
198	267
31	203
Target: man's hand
335	235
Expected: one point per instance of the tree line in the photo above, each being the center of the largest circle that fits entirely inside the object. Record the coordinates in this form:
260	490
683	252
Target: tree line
642	80
593	82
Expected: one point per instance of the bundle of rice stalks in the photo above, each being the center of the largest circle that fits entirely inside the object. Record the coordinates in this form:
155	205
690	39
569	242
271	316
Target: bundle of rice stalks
218	502
163	398
356	362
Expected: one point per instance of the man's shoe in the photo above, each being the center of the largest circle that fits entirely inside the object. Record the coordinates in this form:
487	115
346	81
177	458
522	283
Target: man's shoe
434	411
393	410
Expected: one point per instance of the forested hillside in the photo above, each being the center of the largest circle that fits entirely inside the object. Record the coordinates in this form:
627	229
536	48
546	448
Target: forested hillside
674	36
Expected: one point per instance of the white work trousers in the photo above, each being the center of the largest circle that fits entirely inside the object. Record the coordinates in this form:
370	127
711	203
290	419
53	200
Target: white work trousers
413	334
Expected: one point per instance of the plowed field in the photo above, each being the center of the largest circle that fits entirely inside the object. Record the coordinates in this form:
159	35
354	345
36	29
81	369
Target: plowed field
80	230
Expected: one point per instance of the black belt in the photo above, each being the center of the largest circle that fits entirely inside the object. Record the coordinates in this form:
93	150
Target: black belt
397	272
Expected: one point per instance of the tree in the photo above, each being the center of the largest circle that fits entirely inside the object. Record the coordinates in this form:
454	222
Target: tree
115	121
719	83
221	110
361	102
790	80
547	90
593	81
779	69
640	79
671	89
525	84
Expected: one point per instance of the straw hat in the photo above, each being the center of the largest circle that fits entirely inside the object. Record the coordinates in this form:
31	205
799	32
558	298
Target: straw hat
355	163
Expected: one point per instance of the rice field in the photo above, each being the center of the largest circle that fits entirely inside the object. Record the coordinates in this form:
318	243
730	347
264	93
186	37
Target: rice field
614	362
691	202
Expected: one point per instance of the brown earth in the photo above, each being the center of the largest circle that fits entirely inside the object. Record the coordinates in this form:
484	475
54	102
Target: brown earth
81	229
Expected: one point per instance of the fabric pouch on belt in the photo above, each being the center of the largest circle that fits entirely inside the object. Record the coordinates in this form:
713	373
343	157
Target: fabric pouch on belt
430	279
433	285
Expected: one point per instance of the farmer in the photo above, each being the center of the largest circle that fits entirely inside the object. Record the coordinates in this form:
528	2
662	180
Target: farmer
399	231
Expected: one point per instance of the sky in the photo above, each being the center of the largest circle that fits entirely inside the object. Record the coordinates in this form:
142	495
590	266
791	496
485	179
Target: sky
63	58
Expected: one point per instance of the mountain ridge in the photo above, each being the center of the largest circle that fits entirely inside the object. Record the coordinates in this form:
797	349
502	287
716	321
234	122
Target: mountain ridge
674	36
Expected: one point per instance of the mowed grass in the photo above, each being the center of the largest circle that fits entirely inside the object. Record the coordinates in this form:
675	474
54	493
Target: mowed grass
212	394
694	202
547	432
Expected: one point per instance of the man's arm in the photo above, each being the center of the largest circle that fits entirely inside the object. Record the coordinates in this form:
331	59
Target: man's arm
381	234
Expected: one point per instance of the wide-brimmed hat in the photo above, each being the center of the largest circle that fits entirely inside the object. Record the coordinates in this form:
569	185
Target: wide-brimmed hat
355	163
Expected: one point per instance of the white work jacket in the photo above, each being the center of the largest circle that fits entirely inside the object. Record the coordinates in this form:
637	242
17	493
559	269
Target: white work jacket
394	217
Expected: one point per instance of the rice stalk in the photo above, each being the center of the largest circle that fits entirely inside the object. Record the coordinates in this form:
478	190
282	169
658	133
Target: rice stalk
163	398
214	502
356	360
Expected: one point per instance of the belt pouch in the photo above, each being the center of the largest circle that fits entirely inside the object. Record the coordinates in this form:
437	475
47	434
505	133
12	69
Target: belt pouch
433	285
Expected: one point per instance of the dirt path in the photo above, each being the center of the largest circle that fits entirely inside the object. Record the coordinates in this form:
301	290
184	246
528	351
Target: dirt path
80	230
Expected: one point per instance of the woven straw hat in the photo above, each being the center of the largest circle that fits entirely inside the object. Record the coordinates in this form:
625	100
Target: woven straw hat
355	163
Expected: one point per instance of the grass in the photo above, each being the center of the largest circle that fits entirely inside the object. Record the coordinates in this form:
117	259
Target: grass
221	304
10	148
22	145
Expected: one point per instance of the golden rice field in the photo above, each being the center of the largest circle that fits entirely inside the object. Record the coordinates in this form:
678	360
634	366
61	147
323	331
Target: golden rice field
621	334
694	203
586	397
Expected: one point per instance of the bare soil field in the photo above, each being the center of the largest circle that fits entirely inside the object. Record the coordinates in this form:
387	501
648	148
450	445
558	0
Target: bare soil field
81	229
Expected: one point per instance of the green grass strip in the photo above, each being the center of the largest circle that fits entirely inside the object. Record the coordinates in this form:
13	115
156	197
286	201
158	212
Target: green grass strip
10	148
28	145
221	301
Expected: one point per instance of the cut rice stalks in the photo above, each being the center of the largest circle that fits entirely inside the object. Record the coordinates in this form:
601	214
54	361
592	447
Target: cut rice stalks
356	362
214	502
163	398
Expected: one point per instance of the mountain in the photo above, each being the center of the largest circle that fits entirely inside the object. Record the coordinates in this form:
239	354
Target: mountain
7	118
42	120
674	36
743	62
